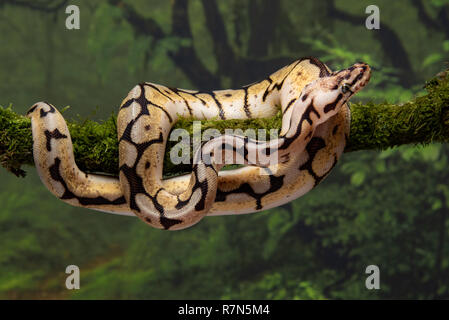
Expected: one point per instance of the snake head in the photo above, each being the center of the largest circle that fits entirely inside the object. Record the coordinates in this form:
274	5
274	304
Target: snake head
326	95
332	91
351	80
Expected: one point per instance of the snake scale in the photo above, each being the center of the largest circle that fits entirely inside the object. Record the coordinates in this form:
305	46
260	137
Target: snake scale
315	128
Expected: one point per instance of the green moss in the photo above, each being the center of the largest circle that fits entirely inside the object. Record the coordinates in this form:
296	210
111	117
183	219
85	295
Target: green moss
373	127
95	145
187	124
15	141
420	121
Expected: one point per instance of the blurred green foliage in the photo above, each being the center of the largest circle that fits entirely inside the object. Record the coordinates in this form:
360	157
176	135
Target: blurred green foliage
388	208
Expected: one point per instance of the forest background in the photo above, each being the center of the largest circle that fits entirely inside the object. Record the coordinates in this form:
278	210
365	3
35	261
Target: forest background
388	208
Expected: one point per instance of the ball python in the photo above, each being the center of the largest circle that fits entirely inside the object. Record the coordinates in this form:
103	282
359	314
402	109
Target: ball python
315	128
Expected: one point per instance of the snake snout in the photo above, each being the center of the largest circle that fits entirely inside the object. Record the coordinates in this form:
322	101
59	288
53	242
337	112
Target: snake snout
362	75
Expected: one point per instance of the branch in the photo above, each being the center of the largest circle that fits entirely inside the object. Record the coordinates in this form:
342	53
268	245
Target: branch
422	120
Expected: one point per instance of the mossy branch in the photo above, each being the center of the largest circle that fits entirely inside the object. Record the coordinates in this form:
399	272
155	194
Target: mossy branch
423	120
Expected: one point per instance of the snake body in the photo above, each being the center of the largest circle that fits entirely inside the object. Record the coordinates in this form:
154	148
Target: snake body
315	128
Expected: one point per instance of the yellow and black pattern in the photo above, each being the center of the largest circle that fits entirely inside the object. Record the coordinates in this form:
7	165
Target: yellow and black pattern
315	127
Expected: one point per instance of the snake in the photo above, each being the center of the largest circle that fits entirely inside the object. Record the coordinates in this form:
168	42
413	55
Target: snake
314	132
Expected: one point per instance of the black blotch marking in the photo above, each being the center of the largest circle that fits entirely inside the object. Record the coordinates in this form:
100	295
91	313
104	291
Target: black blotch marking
191	92
204	188
289	104
101	201
55	174
144	103
32	109
127	132
142	99
134	180
157	205
243	150
275	184
45	113
167	223
279	85
202	101
323	70
212	167
305	117
165	111
201	185
331	106
245	103
312	148
267	152
158	90
55	134
127	103
135	185
188	106
357	78
220	107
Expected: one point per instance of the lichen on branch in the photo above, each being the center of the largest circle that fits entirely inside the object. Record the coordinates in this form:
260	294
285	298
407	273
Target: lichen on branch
374	126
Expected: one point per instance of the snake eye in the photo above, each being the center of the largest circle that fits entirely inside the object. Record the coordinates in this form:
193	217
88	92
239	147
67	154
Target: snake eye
345	88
